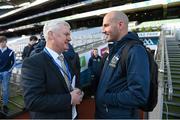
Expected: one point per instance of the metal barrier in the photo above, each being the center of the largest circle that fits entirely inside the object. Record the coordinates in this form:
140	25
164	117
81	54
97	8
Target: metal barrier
162	59
165	57
169	80
166	87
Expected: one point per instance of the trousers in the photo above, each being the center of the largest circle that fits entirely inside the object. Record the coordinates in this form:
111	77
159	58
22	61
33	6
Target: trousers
4	81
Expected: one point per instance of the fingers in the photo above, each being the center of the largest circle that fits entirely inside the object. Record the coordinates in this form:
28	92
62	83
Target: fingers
76	96
77	90
81	96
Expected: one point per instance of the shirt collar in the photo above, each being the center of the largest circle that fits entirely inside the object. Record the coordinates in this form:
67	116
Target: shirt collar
52	53
3	49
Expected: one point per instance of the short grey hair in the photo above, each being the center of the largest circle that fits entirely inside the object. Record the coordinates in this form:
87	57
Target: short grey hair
119	15
53	25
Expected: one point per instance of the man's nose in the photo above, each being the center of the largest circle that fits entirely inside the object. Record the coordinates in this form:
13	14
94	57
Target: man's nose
69	38
103	30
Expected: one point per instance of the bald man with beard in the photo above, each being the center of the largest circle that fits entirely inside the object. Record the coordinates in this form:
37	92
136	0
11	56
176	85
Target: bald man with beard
118	96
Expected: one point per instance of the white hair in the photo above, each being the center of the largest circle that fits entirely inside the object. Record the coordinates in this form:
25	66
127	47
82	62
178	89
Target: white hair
53	25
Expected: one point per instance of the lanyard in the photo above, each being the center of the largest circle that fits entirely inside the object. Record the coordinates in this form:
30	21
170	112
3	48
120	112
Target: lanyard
60	68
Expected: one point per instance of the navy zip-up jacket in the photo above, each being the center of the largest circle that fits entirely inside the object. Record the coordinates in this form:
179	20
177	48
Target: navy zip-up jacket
6	60
120	97
95	66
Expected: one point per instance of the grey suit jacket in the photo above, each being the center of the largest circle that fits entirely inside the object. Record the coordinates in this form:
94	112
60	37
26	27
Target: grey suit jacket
45	91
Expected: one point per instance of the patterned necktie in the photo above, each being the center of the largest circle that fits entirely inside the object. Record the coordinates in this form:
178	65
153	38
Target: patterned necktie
61	58
65	71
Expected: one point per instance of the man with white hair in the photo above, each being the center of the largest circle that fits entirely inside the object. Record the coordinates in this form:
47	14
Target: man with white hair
48	80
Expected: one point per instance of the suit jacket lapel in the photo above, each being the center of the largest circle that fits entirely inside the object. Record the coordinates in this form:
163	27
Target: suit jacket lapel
55	69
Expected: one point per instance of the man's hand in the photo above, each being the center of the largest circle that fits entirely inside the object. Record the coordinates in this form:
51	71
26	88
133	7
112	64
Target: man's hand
76	96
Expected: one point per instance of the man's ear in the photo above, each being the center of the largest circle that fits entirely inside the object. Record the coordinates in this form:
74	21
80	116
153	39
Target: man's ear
120	24
50	35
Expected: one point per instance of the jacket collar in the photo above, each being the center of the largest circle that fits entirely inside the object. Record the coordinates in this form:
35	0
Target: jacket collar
119	43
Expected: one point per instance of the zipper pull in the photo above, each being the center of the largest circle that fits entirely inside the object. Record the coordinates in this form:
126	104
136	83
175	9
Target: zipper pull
106	108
